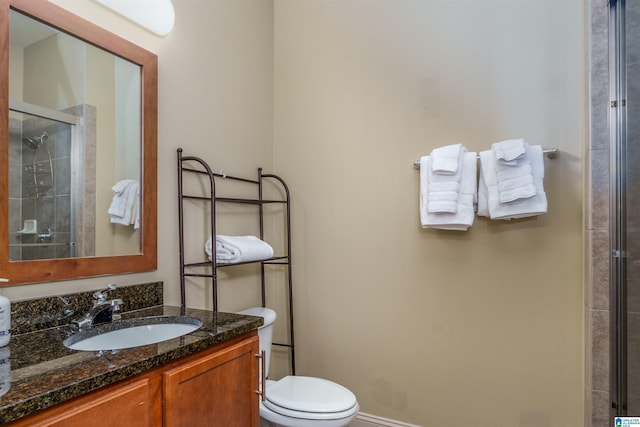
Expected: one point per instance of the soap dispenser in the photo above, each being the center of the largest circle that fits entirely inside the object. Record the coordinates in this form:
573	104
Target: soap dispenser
5	318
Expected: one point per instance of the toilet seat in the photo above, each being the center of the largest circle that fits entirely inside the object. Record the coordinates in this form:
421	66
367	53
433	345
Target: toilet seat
310	398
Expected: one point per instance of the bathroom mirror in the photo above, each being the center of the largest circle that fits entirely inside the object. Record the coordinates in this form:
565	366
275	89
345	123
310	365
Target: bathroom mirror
79	140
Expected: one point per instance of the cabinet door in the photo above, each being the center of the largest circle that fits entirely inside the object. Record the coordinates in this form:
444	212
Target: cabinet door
217	390
129	405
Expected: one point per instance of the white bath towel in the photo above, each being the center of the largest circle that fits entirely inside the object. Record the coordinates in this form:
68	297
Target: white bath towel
489	204
125	205
464	216
447	160
509	151
235	249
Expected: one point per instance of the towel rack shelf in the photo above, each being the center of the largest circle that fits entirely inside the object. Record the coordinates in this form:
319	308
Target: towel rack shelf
196	166
550	153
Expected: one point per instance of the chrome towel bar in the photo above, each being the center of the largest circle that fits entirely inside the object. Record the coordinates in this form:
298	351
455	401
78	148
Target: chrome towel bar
550	153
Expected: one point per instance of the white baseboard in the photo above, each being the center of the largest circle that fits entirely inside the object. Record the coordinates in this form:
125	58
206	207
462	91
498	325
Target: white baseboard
368	420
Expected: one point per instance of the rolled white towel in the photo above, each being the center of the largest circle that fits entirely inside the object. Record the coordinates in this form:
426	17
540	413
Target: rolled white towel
235	249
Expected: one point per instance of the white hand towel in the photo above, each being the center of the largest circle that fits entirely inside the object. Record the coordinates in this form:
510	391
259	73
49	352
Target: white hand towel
235	249
118	203
464	216
125	205
443	196
514	178
514	189
439	192
504	173
442	191
120	186
447	160
509	151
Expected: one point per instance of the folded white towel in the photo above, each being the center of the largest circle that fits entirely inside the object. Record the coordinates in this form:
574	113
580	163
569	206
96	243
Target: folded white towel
504	173
488	198
235	249
443	196
118	203
509	151
514	189
125	205
447	160
439	192
443	188
513	171
464	216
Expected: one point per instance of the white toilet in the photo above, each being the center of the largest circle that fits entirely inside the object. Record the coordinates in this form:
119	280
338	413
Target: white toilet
297	401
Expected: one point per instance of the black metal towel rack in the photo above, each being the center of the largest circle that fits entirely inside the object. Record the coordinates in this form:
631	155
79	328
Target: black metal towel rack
208	269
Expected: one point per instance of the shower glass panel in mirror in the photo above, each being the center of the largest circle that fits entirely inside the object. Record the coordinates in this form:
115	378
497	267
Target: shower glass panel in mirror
74	158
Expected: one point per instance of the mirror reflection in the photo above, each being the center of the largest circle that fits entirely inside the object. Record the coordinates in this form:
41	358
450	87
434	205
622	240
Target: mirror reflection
74	147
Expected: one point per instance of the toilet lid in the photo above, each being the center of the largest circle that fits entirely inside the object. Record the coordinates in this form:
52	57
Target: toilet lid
307	394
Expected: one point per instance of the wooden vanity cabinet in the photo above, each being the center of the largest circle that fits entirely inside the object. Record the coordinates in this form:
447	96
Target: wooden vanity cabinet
213	388
128	404
218	390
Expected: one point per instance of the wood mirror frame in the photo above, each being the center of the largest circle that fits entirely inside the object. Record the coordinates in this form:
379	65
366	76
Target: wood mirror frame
36	271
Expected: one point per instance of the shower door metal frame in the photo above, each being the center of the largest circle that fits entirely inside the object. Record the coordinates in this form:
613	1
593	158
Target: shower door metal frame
618	209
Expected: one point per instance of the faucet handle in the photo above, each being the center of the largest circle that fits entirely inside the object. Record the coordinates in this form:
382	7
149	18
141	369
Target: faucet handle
115	306
101	296
116	303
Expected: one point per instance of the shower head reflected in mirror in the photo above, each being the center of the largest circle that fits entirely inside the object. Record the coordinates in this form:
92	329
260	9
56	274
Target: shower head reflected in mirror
35	142
39	185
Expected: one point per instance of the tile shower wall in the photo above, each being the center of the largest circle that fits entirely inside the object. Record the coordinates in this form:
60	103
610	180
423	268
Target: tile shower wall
597	233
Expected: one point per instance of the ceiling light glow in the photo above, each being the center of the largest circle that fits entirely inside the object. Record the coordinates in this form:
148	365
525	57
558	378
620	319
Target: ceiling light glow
156	16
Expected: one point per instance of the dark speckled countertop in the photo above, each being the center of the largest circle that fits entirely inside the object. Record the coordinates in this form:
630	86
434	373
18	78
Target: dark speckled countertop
44	372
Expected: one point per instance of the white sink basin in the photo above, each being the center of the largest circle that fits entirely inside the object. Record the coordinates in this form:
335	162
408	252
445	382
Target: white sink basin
132	333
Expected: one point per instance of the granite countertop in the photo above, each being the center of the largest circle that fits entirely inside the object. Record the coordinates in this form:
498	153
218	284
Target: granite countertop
44	372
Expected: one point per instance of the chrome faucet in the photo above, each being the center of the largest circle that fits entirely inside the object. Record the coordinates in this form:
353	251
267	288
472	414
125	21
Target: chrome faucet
103	310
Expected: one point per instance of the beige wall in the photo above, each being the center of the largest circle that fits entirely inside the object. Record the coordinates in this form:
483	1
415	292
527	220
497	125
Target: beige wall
435	328
427	327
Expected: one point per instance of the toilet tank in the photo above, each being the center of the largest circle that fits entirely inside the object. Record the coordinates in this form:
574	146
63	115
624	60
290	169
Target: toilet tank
265	332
